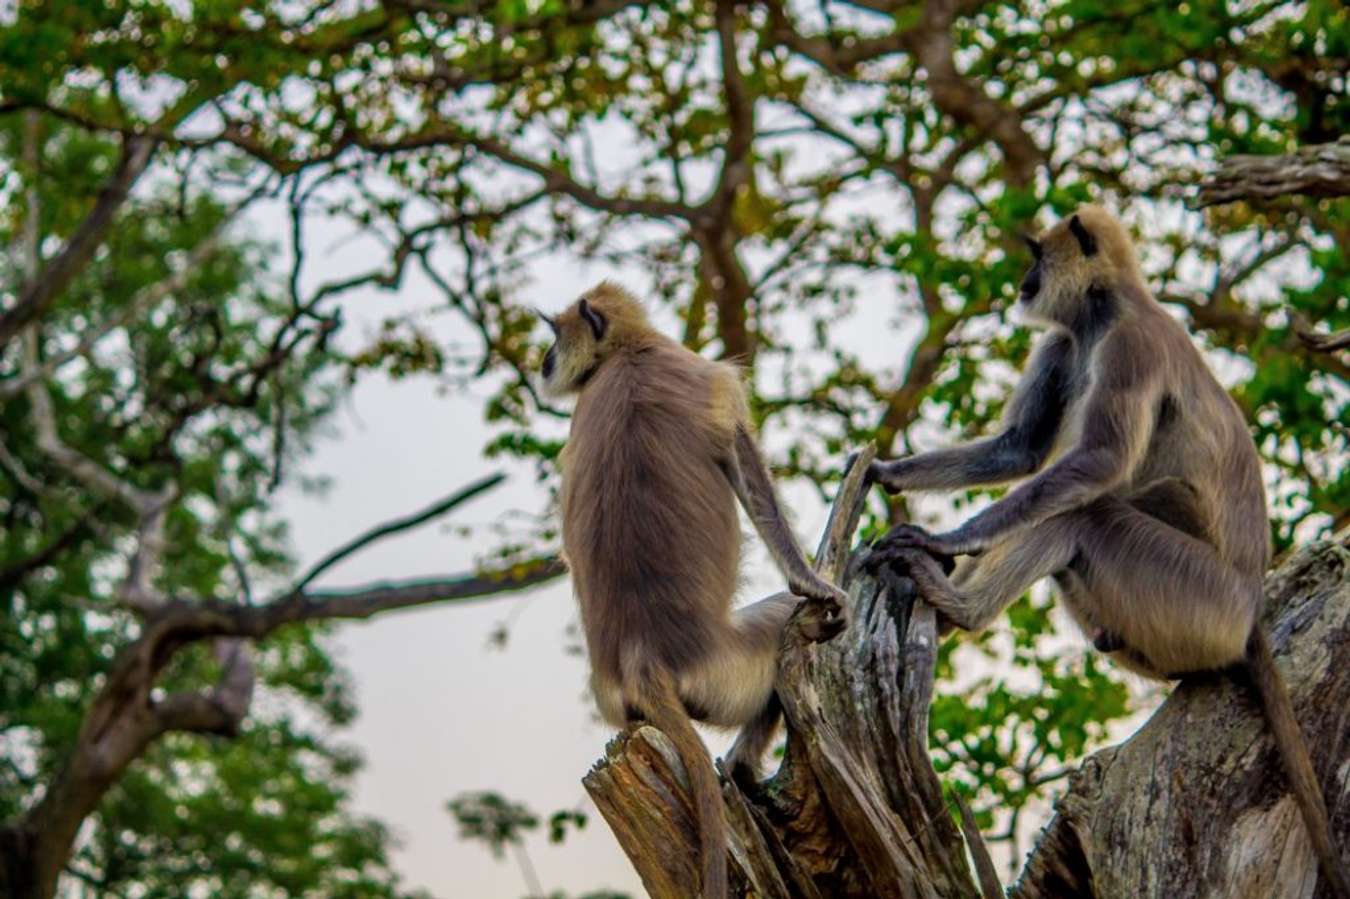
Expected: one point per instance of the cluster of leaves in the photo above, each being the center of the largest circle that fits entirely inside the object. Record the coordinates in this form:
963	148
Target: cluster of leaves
493	819
196	391
499	823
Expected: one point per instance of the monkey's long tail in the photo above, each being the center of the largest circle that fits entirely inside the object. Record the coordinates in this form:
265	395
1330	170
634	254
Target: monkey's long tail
665	710
1298	766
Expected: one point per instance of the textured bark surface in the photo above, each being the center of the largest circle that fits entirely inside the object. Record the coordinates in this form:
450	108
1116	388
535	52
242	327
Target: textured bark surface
1193	804
855	810
1321	170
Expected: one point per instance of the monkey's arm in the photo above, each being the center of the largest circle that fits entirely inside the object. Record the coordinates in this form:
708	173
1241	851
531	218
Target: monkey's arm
753	484
1118	423
1030	424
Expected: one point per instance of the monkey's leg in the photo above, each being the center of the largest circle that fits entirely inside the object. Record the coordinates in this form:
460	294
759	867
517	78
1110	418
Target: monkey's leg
984	586
1175	604
735	682
758	630
1170	500
1170	599
754	740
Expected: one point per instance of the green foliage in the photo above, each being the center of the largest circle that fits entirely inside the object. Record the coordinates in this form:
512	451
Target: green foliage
491	819
498	822
1003	738
264	813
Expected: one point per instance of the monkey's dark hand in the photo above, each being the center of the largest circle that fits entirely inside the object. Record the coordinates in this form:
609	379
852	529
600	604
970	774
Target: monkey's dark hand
890	475
821	615
819	620
818	589
943	547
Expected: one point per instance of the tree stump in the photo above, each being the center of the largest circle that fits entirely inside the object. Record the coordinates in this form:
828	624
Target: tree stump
1193	804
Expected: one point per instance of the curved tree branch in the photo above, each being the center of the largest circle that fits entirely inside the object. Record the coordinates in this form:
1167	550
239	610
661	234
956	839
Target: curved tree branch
1320	170
435	510
44	287
126	717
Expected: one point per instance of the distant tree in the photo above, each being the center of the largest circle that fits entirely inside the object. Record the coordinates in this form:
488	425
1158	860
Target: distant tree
829	193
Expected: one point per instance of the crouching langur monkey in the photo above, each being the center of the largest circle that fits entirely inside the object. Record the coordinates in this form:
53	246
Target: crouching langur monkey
1142	495
660	450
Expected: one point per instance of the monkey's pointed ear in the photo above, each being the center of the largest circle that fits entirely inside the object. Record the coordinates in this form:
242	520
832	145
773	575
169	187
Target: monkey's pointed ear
1085	238
546	319
594	318
1034	245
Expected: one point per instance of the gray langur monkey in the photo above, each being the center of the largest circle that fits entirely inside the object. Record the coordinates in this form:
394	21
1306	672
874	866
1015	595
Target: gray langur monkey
1141	493
660	450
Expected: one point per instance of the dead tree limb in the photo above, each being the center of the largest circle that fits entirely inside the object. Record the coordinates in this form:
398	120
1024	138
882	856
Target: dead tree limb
1320	170
855	809
1192	805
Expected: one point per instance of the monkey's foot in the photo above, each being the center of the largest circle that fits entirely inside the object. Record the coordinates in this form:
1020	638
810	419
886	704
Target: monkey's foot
746	776
953	609
820	619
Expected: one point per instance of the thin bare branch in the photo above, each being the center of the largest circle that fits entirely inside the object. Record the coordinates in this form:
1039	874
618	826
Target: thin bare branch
435	510
985	871
145	299
1319	343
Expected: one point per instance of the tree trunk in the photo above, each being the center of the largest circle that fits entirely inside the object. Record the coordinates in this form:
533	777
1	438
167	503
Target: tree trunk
1194	804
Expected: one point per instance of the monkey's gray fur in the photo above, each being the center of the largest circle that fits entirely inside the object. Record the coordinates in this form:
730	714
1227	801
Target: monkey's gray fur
660	449
1142	493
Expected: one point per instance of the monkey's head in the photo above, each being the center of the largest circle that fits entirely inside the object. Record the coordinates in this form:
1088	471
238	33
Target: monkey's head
603	320
1090	249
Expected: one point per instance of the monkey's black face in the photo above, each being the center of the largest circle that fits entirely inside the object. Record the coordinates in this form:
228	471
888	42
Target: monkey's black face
1031	284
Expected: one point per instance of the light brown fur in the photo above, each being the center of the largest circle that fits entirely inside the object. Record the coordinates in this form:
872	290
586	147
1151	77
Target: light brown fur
1141	493
659	452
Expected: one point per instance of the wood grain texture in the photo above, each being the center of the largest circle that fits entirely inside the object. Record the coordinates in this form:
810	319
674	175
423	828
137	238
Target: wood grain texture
1194	804
1320	170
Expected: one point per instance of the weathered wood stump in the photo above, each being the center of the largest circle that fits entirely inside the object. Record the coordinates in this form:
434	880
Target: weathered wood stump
1193	804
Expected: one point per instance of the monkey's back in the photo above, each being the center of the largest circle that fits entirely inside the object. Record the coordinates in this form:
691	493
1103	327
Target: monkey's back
1201	436
650	529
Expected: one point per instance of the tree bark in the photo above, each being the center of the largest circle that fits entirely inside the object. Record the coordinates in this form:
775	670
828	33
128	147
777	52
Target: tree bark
1193	804
1320	170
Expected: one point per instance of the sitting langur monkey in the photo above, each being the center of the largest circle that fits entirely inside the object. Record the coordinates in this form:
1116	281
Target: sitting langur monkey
660	450
1150	514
